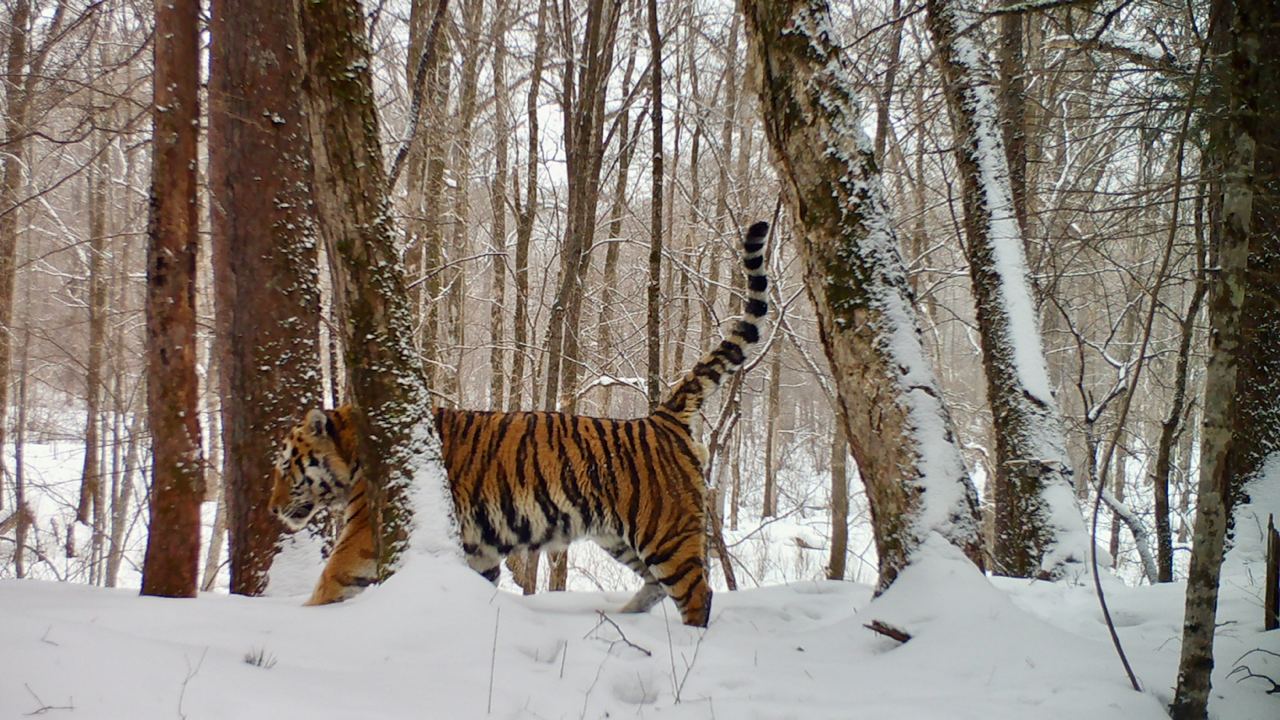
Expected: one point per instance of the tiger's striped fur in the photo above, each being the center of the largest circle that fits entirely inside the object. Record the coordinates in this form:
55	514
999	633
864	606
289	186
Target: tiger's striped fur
539	480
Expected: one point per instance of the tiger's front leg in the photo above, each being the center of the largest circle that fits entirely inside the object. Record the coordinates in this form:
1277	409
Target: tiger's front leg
352	566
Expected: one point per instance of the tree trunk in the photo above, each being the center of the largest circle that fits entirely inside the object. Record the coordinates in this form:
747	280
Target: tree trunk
1039	530
96	302
498	208
772	410
1171	427
839	504
16	104
398	445
265	264
459	245
1235	137
1012	108
1258	384
526	213
653	379
916	484
177	487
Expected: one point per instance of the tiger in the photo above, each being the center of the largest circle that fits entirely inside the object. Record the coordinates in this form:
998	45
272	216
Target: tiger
539	480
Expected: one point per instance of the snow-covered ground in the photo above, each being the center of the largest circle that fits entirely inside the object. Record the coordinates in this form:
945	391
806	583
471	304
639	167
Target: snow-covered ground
436	641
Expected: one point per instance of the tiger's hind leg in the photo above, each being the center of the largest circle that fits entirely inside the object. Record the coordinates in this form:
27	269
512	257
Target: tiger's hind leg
679	564
649	595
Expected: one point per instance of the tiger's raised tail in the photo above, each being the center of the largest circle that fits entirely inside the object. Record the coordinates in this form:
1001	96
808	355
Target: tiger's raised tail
687	396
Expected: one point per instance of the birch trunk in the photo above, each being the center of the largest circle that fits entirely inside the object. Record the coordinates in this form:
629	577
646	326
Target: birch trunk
1235	137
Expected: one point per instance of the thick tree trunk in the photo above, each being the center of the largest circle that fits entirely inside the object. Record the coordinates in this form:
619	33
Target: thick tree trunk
916	481
1258	384
399	448
265	264
177	484
1039	530
1235	137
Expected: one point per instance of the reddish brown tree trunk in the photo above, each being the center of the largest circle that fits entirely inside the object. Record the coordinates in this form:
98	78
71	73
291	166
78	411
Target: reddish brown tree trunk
177	485
265	263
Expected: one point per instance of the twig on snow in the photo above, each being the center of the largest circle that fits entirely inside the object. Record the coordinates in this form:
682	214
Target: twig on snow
622	637
45	707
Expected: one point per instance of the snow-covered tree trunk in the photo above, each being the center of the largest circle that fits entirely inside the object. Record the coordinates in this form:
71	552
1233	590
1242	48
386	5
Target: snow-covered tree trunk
1235	138
399	447
1038	527
898	429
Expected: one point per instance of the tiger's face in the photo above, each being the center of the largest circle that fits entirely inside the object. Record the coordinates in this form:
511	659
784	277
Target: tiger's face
310	472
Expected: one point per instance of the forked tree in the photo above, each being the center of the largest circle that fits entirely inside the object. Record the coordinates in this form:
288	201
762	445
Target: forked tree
890	402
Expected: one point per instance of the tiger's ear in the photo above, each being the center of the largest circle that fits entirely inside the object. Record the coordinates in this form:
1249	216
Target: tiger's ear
315	422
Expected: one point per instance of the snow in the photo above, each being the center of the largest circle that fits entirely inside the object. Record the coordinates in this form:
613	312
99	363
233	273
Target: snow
422	645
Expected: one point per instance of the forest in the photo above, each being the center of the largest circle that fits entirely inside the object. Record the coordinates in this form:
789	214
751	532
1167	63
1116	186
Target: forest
908	359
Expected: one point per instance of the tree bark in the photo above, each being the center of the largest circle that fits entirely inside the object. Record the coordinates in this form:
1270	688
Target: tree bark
177	485
399	447
1039	530
770	506
1235	137
265	264
897	426
1258	384
526	213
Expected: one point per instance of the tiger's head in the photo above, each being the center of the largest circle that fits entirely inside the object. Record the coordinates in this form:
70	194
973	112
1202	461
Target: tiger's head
315	468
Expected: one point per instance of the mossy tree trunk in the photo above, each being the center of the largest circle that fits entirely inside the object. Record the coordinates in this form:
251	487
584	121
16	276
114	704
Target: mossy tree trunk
399	448
890	402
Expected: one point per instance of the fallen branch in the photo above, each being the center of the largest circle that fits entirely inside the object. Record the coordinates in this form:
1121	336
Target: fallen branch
888	631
